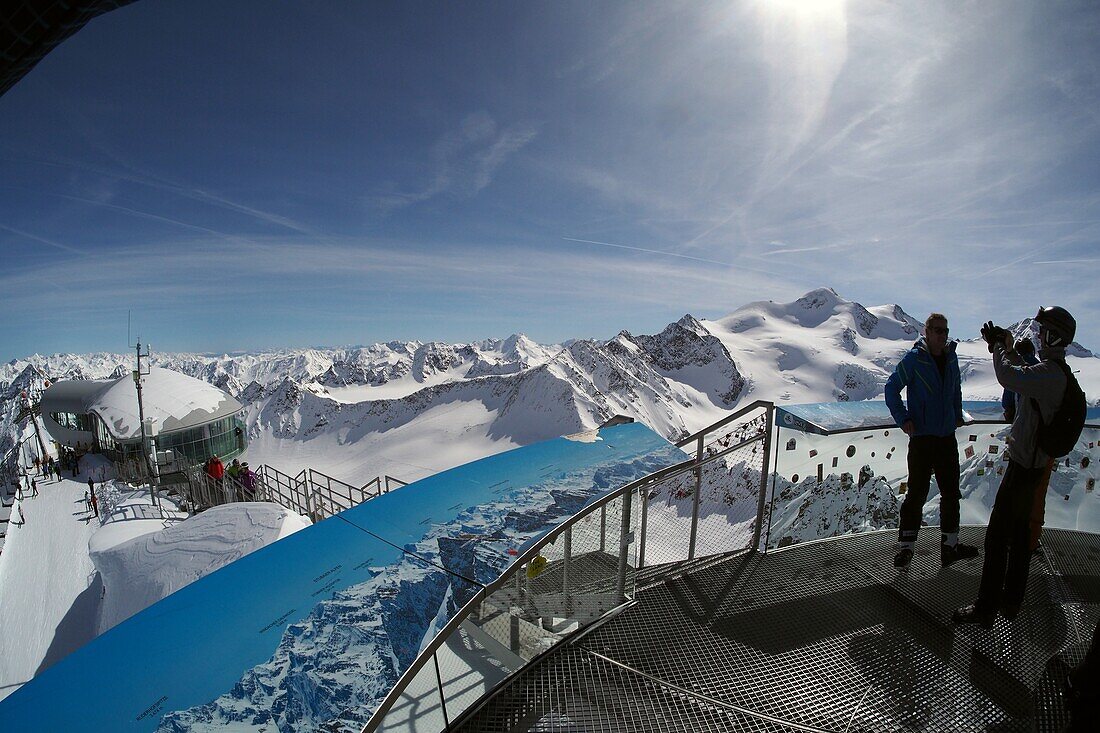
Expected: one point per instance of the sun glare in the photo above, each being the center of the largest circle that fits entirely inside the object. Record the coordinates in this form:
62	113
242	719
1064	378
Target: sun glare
803	9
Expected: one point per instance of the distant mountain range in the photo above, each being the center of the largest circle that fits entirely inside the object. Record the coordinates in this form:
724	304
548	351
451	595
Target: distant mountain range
413	408
410	409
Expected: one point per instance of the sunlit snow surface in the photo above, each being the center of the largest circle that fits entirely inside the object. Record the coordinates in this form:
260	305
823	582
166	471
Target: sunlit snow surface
316	628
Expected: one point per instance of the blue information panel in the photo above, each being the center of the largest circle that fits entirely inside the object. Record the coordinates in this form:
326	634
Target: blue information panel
315	629
825	418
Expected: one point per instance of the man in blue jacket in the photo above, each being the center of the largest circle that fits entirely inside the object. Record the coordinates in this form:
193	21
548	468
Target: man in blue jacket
929	416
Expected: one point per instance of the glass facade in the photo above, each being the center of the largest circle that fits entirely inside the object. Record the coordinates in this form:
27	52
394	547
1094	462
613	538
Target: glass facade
72	421
225	437
103	438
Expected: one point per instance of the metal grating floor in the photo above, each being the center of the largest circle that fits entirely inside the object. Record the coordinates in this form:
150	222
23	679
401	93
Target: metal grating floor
825	636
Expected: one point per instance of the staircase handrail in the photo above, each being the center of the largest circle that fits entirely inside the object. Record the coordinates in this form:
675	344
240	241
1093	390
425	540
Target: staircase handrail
724	421
397	481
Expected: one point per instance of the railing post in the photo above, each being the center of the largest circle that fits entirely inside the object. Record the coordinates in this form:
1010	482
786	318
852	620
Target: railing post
624	547
695	498
442	697
603	528
642	531
566	562
761	500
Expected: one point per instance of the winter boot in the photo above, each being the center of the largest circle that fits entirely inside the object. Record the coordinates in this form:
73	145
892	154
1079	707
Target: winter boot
903	558
958	551
973	615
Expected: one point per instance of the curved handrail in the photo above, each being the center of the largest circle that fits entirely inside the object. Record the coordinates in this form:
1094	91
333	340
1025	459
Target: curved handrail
429	650
724	421
523	558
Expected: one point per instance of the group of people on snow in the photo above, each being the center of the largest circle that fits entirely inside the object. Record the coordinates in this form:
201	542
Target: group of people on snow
67	460
26	483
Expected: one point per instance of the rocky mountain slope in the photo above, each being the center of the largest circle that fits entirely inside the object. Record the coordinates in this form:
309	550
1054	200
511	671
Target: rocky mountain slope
413	408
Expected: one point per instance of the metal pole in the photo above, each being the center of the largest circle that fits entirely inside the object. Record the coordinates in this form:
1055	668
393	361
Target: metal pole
603	527
695	498
442	700
764	482
624	547
645	516
144	435
567	560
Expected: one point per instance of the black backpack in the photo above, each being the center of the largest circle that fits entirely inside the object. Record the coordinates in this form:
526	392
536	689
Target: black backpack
1058	437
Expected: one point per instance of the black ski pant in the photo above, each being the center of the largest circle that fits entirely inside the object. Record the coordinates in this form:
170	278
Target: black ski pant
1007	540
931	454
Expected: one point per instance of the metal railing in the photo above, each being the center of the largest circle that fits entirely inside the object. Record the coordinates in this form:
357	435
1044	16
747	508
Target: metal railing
281	488
331	496
581	570
587	567
310	492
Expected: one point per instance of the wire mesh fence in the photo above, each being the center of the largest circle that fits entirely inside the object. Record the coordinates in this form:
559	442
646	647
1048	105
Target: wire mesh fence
714	508
856	481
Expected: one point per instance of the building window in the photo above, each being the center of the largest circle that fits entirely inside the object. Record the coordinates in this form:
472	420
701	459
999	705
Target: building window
222	437
73	421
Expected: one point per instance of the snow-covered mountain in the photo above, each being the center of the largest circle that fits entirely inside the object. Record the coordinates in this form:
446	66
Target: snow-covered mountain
411	408
29	379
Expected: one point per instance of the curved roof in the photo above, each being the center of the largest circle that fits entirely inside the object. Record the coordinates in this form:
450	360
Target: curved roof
172	400
76	395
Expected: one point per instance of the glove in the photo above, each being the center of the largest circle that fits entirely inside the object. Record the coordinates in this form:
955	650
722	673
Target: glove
993	335
988	335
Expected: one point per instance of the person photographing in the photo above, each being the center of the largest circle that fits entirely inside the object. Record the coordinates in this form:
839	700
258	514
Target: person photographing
1048	421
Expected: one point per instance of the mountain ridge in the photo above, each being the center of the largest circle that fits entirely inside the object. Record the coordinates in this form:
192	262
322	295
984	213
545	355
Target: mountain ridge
458	402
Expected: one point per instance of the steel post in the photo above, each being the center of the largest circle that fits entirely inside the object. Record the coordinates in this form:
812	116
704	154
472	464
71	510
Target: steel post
442	698
762	500
624	547
695	499
567	560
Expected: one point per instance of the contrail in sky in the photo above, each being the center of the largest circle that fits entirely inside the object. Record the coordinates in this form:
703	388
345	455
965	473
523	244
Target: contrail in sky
651	251
43	240
669	254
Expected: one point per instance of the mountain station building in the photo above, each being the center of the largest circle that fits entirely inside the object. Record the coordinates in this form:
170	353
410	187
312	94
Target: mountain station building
185	416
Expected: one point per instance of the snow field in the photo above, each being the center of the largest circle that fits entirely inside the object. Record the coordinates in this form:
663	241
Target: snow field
46	582
67	576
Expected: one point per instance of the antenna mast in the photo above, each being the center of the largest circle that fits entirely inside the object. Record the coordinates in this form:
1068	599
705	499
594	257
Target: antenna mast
146	447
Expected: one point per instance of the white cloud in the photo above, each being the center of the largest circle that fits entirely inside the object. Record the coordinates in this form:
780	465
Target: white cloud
463	161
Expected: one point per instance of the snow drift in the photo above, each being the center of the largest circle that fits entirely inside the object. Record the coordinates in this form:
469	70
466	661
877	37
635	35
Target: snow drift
139	571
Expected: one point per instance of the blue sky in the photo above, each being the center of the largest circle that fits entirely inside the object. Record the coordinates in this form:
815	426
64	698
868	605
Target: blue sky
245	175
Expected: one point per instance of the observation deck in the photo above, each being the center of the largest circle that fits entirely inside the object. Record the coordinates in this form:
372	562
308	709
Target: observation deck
741	579
821	636
795	619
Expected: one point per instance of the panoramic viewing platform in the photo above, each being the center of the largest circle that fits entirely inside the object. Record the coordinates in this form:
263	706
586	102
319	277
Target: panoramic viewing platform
824	636
610	580
627	365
